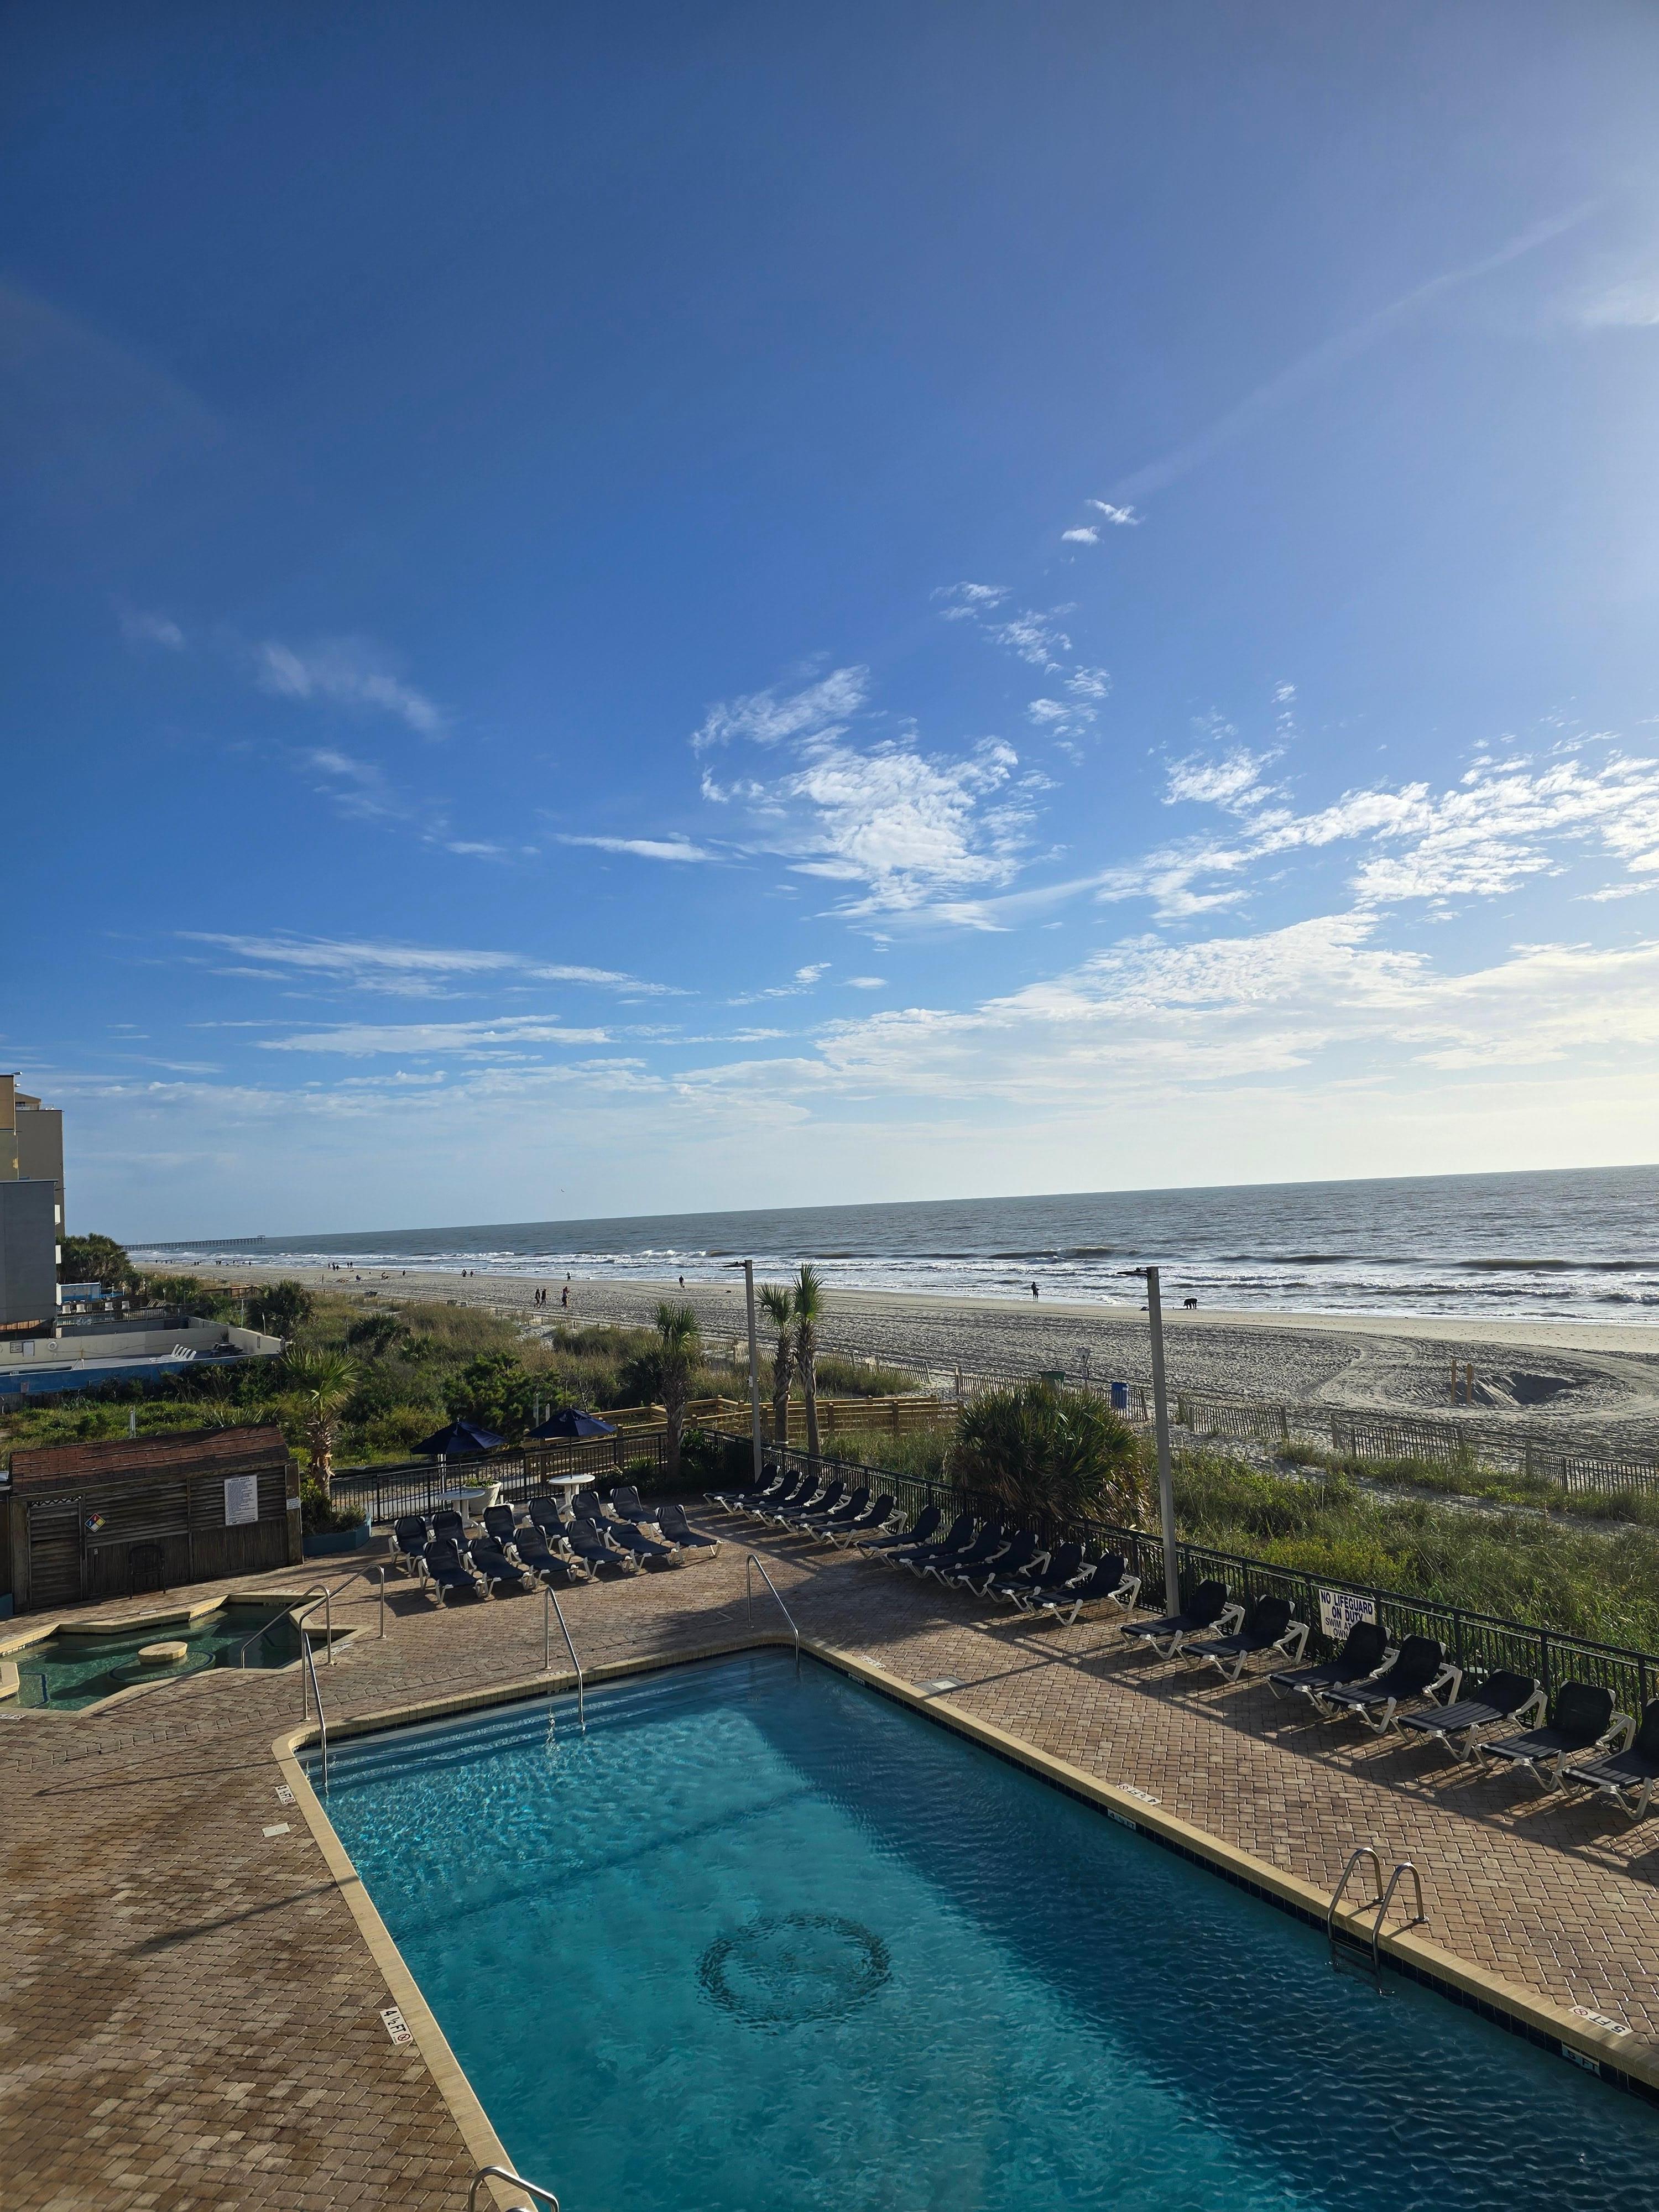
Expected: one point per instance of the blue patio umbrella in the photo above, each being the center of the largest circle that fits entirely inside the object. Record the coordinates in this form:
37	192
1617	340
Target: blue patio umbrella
457	1440
571	1422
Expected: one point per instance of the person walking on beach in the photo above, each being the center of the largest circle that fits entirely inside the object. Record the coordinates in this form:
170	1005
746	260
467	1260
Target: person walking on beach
1033	1289
564	1297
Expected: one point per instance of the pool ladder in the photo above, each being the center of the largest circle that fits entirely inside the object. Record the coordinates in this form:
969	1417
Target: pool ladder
1350	1952
506	2173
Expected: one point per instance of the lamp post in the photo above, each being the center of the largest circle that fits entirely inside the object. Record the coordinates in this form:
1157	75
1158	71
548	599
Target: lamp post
747	1267
1161	1417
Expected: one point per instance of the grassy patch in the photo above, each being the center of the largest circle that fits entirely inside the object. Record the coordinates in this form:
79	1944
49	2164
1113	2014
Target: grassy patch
1580	1581
1464	1476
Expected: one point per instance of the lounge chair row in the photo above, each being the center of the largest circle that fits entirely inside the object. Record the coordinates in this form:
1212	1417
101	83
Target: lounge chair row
812	1506
1010	1566
616	1536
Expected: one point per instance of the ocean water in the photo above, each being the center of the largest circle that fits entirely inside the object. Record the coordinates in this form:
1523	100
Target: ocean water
756	1944
1574	1244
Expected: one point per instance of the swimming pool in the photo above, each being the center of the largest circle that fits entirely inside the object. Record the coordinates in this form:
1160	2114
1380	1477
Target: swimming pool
69	1672
753	1944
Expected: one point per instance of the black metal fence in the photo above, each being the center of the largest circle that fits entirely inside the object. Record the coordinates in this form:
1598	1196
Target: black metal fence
422	1485
1478	1642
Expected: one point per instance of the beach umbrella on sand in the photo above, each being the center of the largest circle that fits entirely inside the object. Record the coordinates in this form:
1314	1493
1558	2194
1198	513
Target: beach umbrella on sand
457	1440
571	1424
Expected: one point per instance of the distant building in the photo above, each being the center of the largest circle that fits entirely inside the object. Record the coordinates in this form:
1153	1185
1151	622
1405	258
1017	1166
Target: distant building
31	1210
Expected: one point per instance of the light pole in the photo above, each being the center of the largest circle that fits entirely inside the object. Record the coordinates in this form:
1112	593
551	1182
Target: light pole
747	1267
1161	1418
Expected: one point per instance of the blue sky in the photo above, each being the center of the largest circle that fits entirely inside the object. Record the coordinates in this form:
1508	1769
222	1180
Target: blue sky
623	609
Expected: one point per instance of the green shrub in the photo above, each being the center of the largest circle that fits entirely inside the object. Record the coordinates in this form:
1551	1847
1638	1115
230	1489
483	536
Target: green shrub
1042	1451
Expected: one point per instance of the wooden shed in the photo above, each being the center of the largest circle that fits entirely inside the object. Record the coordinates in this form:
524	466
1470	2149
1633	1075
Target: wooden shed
144	1513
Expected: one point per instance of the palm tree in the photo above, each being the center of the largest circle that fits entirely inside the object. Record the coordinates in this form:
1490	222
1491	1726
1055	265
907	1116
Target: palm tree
322	1382
778	1304
808	1312
679	1342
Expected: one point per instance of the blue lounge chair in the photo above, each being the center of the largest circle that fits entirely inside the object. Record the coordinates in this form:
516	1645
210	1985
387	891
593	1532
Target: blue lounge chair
1364	1651
1022	1550
1625	1775
545	1514
892	1540
1501	1697
985	1549
738	1500
870	1523
646	1549
448	1569
1420	1671
1268	1625
1043	1577
547	1566
951	1545
1110	1580
824	1525
592	1544
677	1530
796	1491
449	1524
1581	1720
496	1569
1207	1607
500	1522
410	1538
815	1508
628	1505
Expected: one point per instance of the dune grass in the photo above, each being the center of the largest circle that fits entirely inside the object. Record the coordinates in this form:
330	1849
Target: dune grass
1603	1586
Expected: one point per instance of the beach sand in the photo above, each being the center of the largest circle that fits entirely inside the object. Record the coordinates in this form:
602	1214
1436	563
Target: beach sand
1580	1384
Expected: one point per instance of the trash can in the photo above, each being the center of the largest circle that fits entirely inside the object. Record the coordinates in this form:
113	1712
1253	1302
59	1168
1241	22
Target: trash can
1120	1397
1055	1375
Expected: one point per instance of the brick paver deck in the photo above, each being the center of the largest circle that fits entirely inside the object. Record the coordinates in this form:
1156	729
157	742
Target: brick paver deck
189	2019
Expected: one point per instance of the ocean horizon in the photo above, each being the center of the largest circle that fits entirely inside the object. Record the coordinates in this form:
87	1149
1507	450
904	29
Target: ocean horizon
1572	1244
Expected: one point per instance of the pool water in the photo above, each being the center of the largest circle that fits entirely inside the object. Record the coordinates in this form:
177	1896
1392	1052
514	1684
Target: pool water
757	1945
79	1670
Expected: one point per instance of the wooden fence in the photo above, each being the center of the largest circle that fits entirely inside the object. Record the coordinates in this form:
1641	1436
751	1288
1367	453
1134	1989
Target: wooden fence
892	1417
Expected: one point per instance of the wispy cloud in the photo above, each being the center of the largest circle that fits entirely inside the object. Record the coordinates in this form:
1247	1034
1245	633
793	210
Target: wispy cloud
139	629
509	1034
804	979
964	602
1082	536
345	673
1632	303
1034	638
769	718
1233	781
644	848
1333	353
402	970
1121	517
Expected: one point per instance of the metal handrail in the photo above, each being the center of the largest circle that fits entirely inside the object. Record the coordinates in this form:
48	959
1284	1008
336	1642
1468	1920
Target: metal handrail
309	1665
750	1564
1360	1851
548	1610
1405	1865
506	2173
323	1595
320	1595
381	1572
